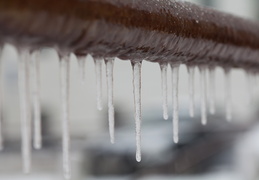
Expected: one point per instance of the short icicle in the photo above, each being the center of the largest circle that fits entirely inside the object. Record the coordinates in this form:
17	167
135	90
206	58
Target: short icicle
136	65
191	72
35	95
81	67
98	74
64	83
212	89
228	99
25	109
175	79
203	95
163	67
1	99
109	77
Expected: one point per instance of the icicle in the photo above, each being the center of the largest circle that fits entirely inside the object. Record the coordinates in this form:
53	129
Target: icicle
35	94
191	72
81	66
203	95
212	89
163	67
98	73
25	111
64	82
109	76
137	103
251	79
228	98
1	98
175	78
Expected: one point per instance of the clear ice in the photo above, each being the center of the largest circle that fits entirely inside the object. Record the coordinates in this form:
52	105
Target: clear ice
98	74
25	109
136	65
109	77
203	95
163	67
64	83
191	72
35	96
175	79
228	99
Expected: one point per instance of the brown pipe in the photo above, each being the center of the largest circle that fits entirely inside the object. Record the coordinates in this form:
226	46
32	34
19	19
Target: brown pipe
154	30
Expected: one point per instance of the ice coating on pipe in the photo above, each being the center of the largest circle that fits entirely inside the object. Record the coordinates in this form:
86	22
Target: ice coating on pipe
152	30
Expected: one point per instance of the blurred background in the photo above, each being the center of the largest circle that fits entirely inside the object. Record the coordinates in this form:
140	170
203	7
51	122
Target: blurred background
219	151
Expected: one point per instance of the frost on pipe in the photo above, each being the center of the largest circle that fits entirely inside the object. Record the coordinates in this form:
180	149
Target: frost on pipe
151	30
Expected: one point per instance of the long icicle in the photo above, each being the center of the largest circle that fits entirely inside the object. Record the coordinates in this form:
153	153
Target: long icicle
163	67
1	99
64	82
98	74
81	66
35	94
212	89
175	79
191	72
228	99
137	103
25	111
109	77
203	95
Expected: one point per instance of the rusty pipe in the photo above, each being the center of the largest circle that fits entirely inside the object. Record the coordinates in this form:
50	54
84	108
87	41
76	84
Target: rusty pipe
133	29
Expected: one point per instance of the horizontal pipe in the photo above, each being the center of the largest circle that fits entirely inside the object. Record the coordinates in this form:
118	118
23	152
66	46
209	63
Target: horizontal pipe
132	29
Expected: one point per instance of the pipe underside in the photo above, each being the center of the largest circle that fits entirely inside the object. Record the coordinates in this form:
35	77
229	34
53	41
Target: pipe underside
132	30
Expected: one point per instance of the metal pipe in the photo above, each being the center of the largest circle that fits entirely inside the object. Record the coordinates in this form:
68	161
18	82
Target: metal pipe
133	29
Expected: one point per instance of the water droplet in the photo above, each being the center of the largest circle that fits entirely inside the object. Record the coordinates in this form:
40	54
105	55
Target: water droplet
136	65
109	76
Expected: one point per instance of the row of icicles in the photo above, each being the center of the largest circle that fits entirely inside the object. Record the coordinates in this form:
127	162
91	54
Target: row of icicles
30	96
